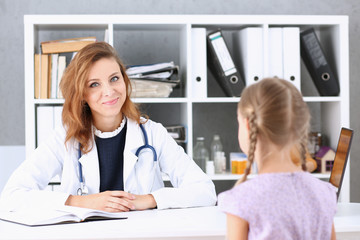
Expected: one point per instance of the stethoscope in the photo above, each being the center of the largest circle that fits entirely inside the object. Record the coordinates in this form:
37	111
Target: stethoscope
83	190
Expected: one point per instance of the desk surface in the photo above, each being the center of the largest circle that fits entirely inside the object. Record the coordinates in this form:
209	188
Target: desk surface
192	223
347	218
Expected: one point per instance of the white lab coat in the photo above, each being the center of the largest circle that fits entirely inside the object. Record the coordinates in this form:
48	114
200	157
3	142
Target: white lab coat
192	187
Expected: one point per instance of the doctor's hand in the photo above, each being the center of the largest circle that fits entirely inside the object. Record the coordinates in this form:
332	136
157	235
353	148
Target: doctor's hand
110	201
142	202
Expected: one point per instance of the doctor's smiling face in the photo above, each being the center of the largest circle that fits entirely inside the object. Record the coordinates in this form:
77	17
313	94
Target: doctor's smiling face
97	92
105	93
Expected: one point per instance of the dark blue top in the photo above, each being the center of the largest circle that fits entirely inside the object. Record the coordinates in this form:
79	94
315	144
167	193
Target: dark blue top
111	161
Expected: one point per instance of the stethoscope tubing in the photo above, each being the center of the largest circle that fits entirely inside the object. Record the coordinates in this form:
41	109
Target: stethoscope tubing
80	167
146	145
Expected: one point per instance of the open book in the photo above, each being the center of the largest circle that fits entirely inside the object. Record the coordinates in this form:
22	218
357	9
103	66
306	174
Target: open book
66	214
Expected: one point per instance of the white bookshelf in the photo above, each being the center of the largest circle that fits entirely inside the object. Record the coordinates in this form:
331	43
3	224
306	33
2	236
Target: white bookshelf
331	30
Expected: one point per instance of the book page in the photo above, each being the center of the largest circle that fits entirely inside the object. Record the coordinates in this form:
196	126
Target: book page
37	217
46	216
84	213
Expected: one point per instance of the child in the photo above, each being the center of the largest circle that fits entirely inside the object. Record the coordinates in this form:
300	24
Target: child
283	201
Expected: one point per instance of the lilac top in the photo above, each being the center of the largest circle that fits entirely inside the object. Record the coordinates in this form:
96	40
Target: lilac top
283	206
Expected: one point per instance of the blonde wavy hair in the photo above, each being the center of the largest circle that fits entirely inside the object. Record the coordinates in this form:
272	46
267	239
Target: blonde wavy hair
276	113
76	115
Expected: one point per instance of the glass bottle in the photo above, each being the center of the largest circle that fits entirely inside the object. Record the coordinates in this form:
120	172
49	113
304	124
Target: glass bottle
201	154
215	146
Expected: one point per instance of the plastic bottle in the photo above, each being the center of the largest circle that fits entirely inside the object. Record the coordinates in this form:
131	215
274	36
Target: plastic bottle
210	167
220	162
215	146
201	154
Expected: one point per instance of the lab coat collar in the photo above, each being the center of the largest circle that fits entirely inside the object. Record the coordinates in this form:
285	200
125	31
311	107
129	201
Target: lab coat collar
134	140
90	168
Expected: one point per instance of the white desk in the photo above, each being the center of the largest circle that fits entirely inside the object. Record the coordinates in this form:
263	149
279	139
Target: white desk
347	221
192	223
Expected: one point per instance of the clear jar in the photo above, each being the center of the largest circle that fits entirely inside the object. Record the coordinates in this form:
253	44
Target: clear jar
201	154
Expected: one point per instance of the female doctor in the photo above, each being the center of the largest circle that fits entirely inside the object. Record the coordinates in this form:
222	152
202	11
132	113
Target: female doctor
108	157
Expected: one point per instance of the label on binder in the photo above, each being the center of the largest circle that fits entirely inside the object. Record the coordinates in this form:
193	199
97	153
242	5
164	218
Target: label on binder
223	54
222	65
314	51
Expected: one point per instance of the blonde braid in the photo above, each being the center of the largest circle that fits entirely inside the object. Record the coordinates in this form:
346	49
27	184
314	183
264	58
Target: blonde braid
253	139
303	144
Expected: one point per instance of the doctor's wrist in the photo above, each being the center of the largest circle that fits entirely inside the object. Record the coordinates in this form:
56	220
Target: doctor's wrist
143	202
152	201
73	200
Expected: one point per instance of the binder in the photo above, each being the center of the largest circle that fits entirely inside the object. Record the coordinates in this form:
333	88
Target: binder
45	122
249	53
57	116
222	65
275	62
291	55
198	63
317	64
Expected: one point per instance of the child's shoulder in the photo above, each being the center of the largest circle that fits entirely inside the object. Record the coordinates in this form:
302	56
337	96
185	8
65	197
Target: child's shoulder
243	200
243	192
324	188
275	184
316	182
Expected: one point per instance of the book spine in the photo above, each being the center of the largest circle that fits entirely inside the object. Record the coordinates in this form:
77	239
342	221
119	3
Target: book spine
37	76
44	76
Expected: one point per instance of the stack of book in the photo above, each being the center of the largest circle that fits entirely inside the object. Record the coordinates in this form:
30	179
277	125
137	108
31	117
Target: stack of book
153	80
51	63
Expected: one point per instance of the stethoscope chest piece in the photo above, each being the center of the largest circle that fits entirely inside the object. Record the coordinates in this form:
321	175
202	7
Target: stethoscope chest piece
82	190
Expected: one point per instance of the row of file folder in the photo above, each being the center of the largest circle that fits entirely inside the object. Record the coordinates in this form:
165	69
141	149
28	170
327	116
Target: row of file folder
255	56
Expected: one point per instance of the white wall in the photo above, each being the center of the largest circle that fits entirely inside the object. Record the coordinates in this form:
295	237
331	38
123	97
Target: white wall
10	159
